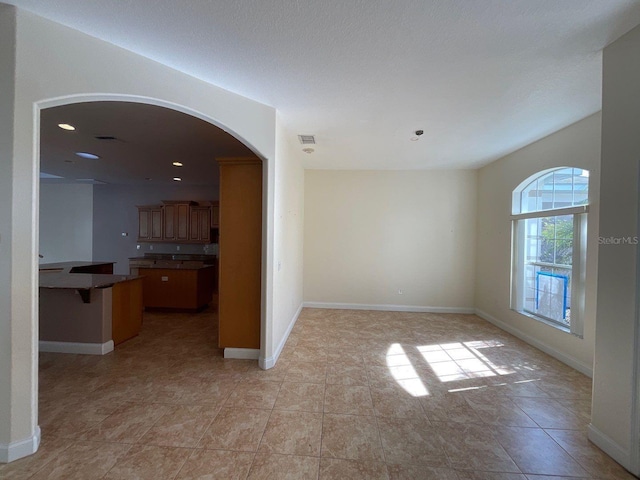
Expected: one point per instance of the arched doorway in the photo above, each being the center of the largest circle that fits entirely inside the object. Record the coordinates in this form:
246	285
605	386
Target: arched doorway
122	185
146	151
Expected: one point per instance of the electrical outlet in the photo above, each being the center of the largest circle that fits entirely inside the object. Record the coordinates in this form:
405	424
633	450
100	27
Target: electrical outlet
400	292
178	248
150	247
137	247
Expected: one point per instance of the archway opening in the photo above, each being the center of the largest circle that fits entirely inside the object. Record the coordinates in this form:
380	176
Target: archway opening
89	213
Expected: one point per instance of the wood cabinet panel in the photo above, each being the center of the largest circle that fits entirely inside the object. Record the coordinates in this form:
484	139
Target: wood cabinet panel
200	228
126	310
182	221
240	253
175	221
156	224
215	214
185	289
169	217
150	223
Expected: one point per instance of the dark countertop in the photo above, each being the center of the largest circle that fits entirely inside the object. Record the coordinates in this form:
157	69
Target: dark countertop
175	256
80	281
65	267
177	266
58	275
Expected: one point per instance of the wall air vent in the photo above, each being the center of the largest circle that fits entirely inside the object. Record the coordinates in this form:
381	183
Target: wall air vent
307	139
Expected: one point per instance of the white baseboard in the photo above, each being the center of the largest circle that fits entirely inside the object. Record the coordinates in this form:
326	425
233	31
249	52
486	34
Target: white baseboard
564	358
20	449
389	308
242	353
611	448
270	362
73	347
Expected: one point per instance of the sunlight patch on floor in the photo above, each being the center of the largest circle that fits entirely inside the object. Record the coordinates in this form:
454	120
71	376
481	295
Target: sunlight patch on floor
462	360
403	371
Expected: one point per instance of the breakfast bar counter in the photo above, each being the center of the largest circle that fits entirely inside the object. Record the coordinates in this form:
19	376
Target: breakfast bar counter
87	312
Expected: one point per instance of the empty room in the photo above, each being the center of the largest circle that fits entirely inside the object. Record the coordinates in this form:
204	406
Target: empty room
320	240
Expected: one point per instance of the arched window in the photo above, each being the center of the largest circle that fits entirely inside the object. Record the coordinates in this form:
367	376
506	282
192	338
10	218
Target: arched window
549	215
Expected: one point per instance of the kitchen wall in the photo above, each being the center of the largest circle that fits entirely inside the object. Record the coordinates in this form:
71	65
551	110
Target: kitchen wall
576	146
383	238
66	222
115	213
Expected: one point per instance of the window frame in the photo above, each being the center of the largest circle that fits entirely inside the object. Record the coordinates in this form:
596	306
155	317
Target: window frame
578	267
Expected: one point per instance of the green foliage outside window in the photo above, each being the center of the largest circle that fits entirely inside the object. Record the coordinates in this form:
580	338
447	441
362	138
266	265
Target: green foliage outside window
557	240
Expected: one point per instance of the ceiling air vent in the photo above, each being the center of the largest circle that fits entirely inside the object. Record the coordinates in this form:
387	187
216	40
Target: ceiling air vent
106	137
307	139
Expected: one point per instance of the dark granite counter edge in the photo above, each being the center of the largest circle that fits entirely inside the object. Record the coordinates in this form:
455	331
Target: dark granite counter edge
174	267
81	281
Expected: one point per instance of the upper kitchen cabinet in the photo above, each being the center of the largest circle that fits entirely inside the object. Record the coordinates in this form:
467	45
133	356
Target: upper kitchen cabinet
149	223
215	214
178	222
200	228
176	216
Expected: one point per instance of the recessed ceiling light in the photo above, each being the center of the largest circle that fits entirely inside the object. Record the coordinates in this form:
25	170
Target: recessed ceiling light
308	150
177	164
90	156
177	179
414	139
66	126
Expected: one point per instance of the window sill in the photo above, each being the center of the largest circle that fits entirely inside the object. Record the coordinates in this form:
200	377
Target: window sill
557	326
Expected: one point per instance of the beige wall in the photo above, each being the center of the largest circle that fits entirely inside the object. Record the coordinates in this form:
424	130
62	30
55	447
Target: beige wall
66	223
369	234
615	419
575	146
288	241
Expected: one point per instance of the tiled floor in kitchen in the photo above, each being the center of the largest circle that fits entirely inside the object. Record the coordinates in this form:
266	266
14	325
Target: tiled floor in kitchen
371	395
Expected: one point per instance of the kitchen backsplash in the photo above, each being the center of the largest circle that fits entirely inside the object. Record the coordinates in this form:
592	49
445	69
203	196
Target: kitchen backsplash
142	248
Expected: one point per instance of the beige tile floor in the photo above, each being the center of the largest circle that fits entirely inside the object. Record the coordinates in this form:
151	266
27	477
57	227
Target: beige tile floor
355	395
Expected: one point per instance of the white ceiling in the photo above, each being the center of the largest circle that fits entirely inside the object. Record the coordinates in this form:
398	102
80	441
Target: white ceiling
482	78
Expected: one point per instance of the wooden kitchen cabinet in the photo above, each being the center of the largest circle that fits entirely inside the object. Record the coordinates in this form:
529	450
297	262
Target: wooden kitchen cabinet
149	223
240	253
215	214
176	220
174	287
200	228
126	310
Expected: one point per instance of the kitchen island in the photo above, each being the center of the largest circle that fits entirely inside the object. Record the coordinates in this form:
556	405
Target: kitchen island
180	286
84	312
